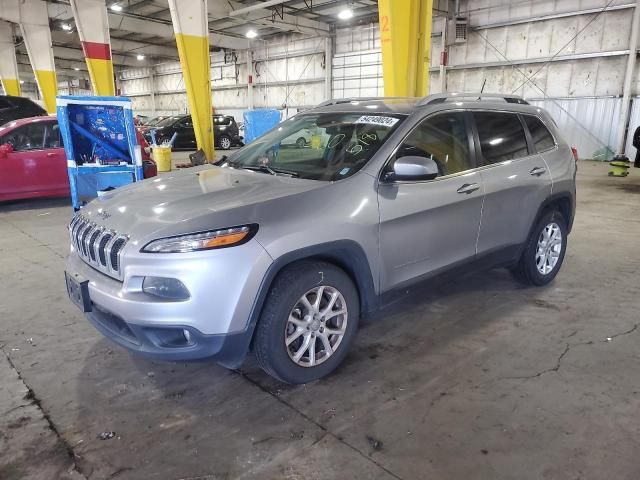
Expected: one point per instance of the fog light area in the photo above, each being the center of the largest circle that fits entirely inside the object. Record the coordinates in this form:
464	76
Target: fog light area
166	288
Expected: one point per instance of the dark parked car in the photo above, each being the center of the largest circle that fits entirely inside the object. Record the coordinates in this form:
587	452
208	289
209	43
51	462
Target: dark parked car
13	108
225	132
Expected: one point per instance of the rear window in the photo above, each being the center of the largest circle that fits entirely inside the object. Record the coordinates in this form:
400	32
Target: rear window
168	121
501	135
542	138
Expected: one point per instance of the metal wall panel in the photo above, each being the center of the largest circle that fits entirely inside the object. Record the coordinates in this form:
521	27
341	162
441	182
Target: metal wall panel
588	123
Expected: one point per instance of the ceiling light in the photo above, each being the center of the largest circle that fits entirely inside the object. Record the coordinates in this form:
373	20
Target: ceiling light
345	14
66	27
140	56
21	82
251	34
76	69
116	7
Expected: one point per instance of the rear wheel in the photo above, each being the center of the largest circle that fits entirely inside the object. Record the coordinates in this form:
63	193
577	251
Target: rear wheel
301	142
544	252
224	142
308	322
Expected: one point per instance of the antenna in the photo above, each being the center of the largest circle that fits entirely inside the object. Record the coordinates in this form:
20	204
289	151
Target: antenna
482	89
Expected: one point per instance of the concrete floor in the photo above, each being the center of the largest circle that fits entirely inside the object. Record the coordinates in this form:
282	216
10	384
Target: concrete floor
476	379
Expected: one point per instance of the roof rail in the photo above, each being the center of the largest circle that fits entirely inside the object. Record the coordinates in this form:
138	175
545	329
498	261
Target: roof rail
443	97
337	101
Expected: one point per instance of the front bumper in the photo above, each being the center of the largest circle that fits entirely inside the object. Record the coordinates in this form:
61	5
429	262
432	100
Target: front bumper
223	285
159	342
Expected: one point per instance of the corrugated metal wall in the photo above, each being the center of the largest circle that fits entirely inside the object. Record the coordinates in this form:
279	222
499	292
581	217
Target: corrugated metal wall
588	123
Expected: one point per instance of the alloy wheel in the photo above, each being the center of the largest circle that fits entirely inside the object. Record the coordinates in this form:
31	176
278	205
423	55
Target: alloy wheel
549	248
316	326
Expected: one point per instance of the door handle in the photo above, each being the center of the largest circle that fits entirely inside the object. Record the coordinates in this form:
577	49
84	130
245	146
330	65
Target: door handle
50	154
537	171
468	188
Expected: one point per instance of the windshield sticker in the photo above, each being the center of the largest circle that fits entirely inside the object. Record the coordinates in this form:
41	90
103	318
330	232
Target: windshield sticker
377	120
354	149
344	171
335	141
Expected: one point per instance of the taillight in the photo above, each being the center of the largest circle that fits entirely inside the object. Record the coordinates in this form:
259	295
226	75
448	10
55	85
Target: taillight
574	152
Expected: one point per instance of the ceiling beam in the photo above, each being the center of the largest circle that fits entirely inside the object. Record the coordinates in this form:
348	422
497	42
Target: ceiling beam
255	6
121	46
281	20
133	23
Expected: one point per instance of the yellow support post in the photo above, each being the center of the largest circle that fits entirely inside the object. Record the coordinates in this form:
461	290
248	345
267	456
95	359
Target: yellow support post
8	64
34	25
405	36
93	29
190	25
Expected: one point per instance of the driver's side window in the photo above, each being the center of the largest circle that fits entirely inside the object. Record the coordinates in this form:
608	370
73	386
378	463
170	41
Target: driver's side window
28	137
443	138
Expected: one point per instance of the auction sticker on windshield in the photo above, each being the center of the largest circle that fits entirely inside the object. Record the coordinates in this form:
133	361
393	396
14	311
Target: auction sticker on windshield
377	120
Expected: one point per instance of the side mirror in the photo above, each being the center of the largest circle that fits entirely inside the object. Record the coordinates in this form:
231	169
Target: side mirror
5	149
413	167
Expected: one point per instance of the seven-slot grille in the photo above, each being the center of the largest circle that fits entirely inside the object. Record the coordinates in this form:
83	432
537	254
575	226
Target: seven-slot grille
97	245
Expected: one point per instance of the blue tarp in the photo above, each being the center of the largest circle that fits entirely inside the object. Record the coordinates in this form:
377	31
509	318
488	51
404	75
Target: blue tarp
100	144
257	122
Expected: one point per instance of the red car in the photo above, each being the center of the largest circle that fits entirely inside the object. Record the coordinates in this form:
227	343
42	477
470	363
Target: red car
33	162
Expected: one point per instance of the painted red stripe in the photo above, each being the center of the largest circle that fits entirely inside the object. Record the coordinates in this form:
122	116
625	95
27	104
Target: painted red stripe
99	51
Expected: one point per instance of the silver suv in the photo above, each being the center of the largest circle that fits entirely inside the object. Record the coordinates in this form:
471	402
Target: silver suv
279	250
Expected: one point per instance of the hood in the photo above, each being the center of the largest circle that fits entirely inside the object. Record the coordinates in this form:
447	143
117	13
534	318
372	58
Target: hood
192	200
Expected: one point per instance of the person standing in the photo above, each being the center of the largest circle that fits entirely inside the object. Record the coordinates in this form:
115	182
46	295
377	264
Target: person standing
636	143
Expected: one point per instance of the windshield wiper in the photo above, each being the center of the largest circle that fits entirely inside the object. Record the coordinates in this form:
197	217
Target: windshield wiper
265	169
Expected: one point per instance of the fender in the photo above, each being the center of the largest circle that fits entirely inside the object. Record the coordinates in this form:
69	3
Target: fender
544	206
346	254
552	199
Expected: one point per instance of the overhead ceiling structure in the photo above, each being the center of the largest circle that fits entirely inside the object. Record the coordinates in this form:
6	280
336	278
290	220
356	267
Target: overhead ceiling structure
142	33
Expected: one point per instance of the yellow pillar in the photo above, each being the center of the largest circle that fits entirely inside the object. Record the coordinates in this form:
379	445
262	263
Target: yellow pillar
405	36
34	24
93	29
8	64
190	25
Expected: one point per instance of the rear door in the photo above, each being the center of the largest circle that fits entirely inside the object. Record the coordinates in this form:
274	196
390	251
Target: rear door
516	180
427	226
54	160
186	135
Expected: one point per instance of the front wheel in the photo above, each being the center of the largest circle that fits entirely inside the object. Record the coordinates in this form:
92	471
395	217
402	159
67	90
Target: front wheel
301	142
224	142
544	252
308	322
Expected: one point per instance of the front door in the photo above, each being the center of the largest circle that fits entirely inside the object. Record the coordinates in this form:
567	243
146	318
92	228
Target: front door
427	226
21	175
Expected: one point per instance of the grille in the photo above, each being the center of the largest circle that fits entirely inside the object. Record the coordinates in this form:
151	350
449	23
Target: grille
98	246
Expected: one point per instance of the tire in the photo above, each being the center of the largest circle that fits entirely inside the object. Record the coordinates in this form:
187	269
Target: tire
284	302
224	142
535	269
301	142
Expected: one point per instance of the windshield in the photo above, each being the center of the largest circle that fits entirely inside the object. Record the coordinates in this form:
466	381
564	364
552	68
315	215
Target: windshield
154	121
168	121
323	146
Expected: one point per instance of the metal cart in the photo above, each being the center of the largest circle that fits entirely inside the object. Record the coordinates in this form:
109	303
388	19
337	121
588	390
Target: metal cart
100	144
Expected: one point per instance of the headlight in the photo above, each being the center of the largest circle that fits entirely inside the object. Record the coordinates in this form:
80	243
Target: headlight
226	237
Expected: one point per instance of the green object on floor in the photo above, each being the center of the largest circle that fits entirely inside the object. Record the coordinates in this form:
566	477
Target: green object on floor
619	166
